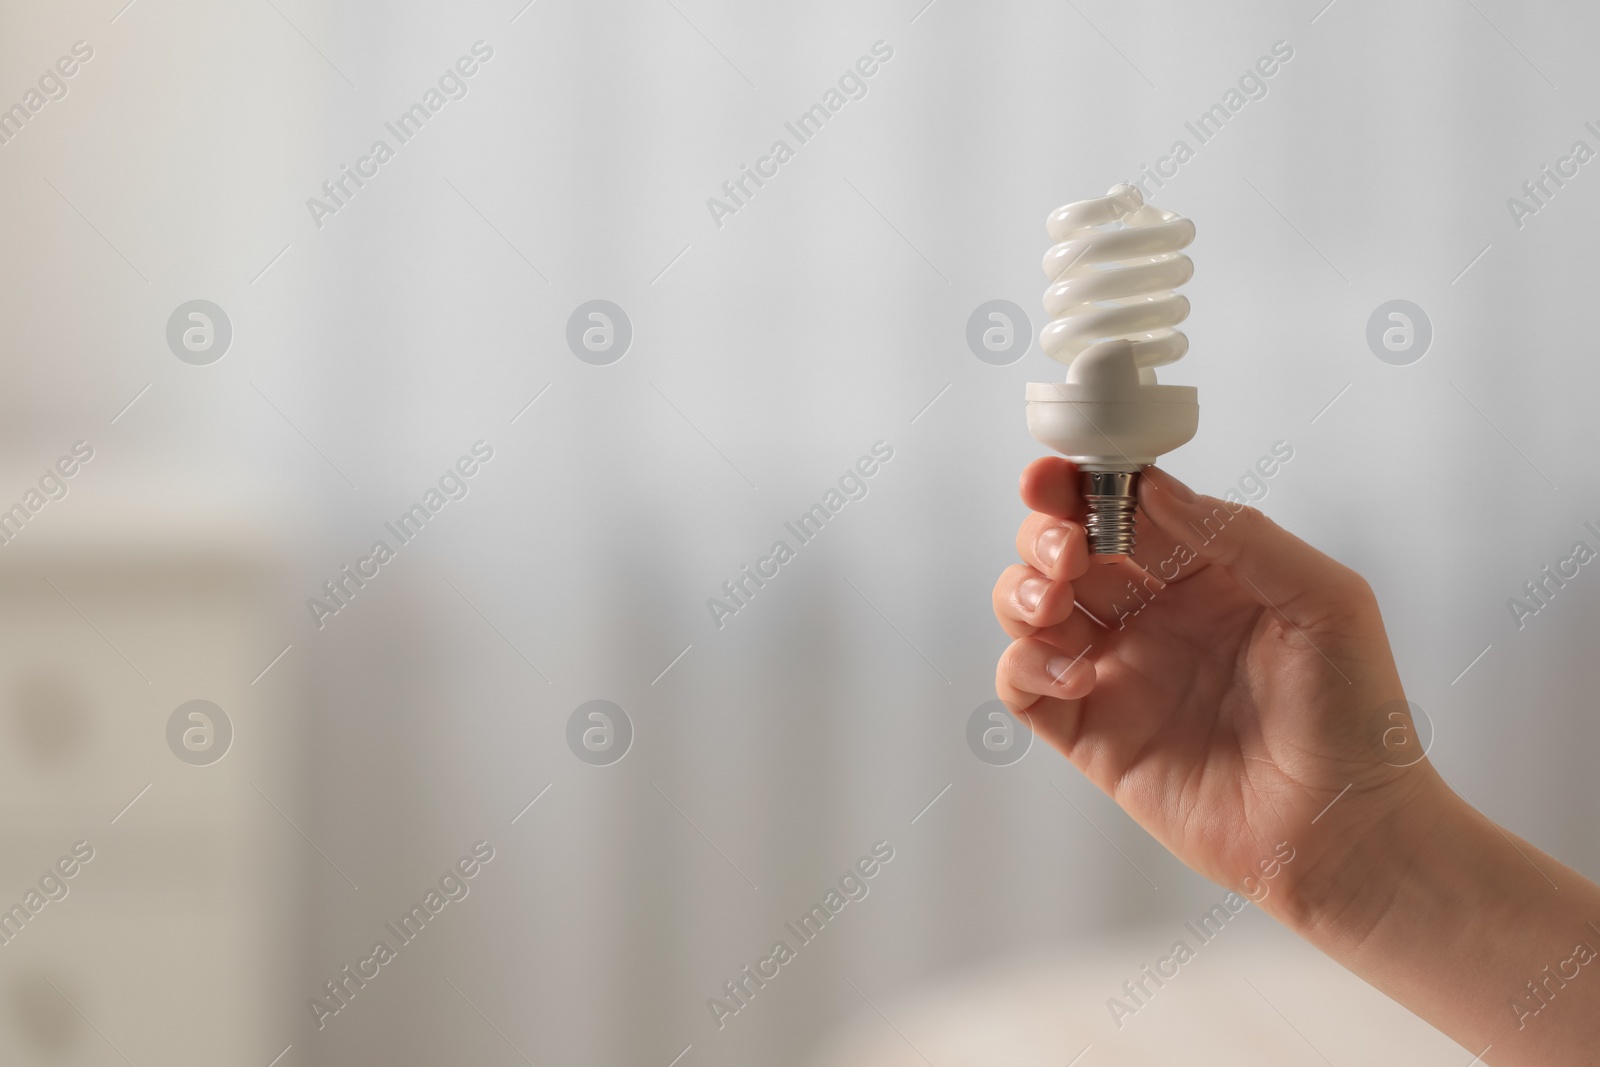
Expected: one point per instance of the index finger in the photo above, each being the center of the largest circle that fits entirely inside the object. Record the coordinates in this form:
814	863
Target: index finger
1050	485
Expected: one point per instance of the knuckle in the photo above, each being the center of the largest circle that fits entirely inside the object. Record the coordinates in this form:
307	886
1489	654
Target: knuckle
1355	591
1249	519
1226	528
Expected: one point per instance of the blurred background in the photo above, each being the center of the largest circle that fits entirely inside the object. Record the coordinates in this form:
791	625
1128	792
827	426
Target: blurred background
253	375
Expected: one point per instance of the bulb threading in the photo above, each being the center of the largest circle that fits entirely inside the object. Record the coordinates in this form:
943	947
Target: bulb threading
1111	496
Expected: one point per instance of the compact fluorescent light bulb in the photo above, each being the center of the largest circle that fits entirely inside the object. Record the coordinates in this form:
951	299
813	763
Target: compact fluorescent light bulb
1112	314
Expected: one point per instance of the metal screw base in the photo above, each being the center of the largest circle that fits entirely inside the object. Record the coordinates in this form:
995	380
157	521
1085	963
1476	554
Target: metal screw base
1111	499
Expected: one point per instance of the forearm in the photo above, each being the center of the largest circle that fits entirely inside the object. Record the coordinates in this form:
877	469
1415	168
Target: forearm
1478	932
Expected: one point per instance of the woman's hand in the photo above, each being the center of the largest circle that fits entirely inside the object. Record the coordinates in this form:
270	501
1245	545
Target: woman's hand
1233	689
1225	686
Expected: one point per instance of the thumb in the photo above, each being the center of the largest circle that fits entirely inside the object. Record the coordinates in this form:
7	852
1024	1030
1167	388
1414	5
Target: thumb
1272	566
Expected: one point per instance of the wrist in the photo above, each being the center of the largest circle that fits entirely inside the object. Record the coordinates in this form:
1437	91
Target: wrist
1391	855
1469	927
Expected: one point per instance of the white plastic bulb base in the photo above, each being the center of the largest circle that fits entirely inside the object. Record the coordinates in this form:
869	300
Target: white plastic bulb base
1112	424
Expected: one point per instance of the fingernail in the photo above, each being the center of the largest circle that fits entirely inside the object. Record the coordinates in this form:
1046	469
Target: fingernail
1030	592
1170	485
1058	668
1049	546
